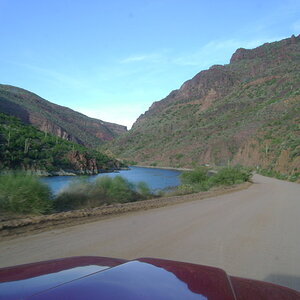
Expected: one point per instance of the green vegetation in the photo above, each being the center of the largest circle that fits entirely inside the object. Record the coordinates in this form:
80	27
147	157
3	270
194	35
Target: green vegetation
24	147
196	176
202	179
129	162
103	191
20	193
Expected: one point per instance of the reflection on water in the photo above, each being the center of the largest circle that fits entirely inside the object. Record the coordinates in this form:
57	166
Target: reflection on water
157	179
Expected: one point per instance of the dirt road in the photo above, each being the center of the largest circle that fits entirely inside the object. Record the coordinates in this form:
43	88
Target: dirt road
253	233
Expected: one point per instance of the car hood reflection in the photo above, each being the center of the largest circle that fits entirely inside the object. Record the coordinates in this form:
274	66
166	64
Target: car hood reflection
132	280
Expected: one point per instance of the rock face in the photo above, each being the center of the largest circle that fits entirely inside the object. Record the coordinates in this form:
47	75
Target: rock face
83	165
79	164
266	50
57	120
229	113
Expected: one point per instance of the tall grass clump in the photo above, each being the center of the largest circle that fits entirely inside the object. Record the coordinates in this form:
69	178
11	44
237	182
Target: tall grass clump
143	189
76	195
202	179
24	194
103	191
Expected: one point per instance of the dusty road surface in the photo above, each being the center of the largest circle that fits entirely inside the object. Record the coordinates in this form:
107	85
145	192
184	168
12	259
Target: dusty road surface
253	233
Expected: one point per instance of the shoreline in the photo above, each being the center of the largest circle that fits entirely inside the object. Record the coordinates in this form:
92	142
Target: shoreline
44	173
164	168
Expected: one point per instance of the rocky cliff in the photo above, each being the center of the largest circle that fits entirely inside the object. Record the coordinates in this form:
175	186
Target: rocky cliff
78	164
23	147
245	112
54	119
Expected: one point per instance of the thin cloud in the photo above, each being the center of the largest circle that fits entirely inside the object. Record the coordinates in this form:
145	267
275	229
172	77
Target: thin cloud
135	58
154	57
54	75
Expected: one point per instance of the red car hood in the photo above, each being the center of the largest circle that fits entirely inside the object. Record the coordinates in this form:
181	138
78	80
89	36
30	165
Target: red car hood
91	278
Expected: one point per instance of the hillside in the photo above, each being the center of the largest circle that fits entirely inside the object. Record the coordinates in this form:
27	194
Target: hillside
246	112
23	147
55	119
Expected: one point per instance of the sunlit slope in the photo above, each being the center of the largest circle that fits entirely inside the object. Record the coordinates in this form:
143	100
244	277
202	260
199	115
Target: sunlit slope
246	112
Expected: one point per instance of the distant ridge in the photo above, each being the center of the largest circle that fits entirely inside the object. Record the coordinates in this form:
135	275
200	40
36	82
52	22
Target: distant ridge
245	112
55	119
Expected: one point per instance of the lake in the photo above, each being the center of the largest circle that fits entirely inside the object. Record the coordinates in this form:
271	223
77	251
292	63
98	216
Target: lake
157	179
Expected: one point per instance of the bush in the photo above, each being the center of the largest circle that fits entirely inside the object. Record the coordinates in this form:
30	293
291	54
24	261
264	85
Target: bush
230	176
75	196
104	190
143	189
193	177
201	179
23	193
120	189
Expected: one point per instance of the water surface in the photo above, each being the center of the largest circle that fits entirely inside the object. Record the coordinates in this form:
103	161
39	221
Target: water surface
157	179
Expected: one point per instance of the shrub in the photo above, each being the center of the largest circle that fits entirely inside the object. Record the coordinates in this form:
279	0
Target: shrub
193	177
23	193
230	175
104	190
143	189
201	179
75	196
121	190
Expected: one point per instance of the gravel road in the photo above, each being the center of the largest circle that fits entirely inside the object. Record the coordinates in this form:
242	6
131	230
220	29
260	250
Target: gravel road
252	233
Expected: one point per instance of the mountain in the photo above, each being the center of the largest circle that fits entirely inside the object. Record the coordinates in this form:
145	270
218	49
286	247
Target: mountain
23	147
246	112
55	119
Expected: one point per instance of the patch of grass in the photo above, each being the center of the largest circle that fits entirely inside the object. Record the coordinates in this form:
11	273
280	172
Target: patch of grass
24	194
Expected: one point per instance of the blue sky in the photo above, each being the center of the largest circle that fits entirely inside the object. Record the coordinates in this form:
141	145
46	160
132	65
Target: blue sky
112	59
